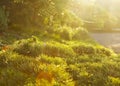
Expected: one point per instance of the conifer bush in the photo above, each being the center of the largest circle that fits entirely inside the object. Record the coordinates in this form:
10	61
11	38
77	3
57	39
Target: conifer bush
33	48
83	49
58	50
22	70
28	47
104	51
89	49
11	77
51	60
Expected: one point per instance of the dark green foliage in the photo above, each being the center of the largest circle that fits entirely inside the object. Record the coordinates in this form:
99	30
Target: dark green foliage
103	50
28	47
56	49
3	19
83	49
65	33
33	12
68	33
10	77
89	49
19	62
50	60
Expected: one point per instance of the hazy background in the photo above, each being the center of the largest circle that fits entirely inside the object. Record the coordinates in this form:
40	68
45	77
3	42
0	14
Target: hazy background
103	14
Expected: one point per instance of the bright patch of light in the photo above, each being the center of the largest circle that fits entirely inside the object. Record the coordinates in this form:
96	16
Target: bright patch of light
86	1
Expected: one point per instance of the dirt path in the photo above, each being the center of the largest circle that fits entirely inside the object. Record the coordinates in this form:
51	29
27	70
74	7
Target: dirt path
110	40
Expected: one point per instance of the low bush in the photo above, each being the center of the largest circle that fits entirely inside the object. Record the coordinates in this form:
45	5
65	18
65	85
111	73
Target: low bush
50	60
80	34
22	63
12	77
113	81
33	48
89	49
104	51
22	70
56	49
28	47
66	33
83	49
103	73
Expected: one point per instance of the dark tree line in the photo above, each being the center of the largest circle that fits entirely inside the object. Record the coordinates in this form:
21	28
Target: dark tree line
30	12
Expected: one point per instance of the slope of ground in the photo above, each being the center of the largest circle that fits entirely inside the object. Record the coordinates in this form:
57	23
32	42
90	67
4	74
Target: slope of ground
58	60
110	40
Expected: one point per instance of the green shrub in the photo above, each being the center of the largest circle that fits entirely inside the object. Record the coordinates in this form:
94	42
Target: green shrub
25	70
65	33
28	47
91	73
80	34
70	19
11	77
59	74
33	48
58	50
85	59
68	33
83	49
104	51
60	64
24	64
113	81
89	49
3	19
50	60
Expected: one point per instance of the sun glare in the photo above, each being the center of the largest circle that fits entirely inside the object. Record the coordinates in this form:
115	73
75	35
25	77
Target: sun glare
86	1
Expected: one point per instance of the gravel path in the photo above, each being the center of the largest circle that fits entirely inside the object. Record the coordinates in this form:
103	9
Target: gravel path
110	40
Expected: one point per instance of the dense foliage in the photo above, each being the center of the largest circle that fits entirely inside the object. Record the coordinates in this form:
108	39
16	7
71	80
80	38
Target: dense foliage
3	19
70	63
44	43
33	12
